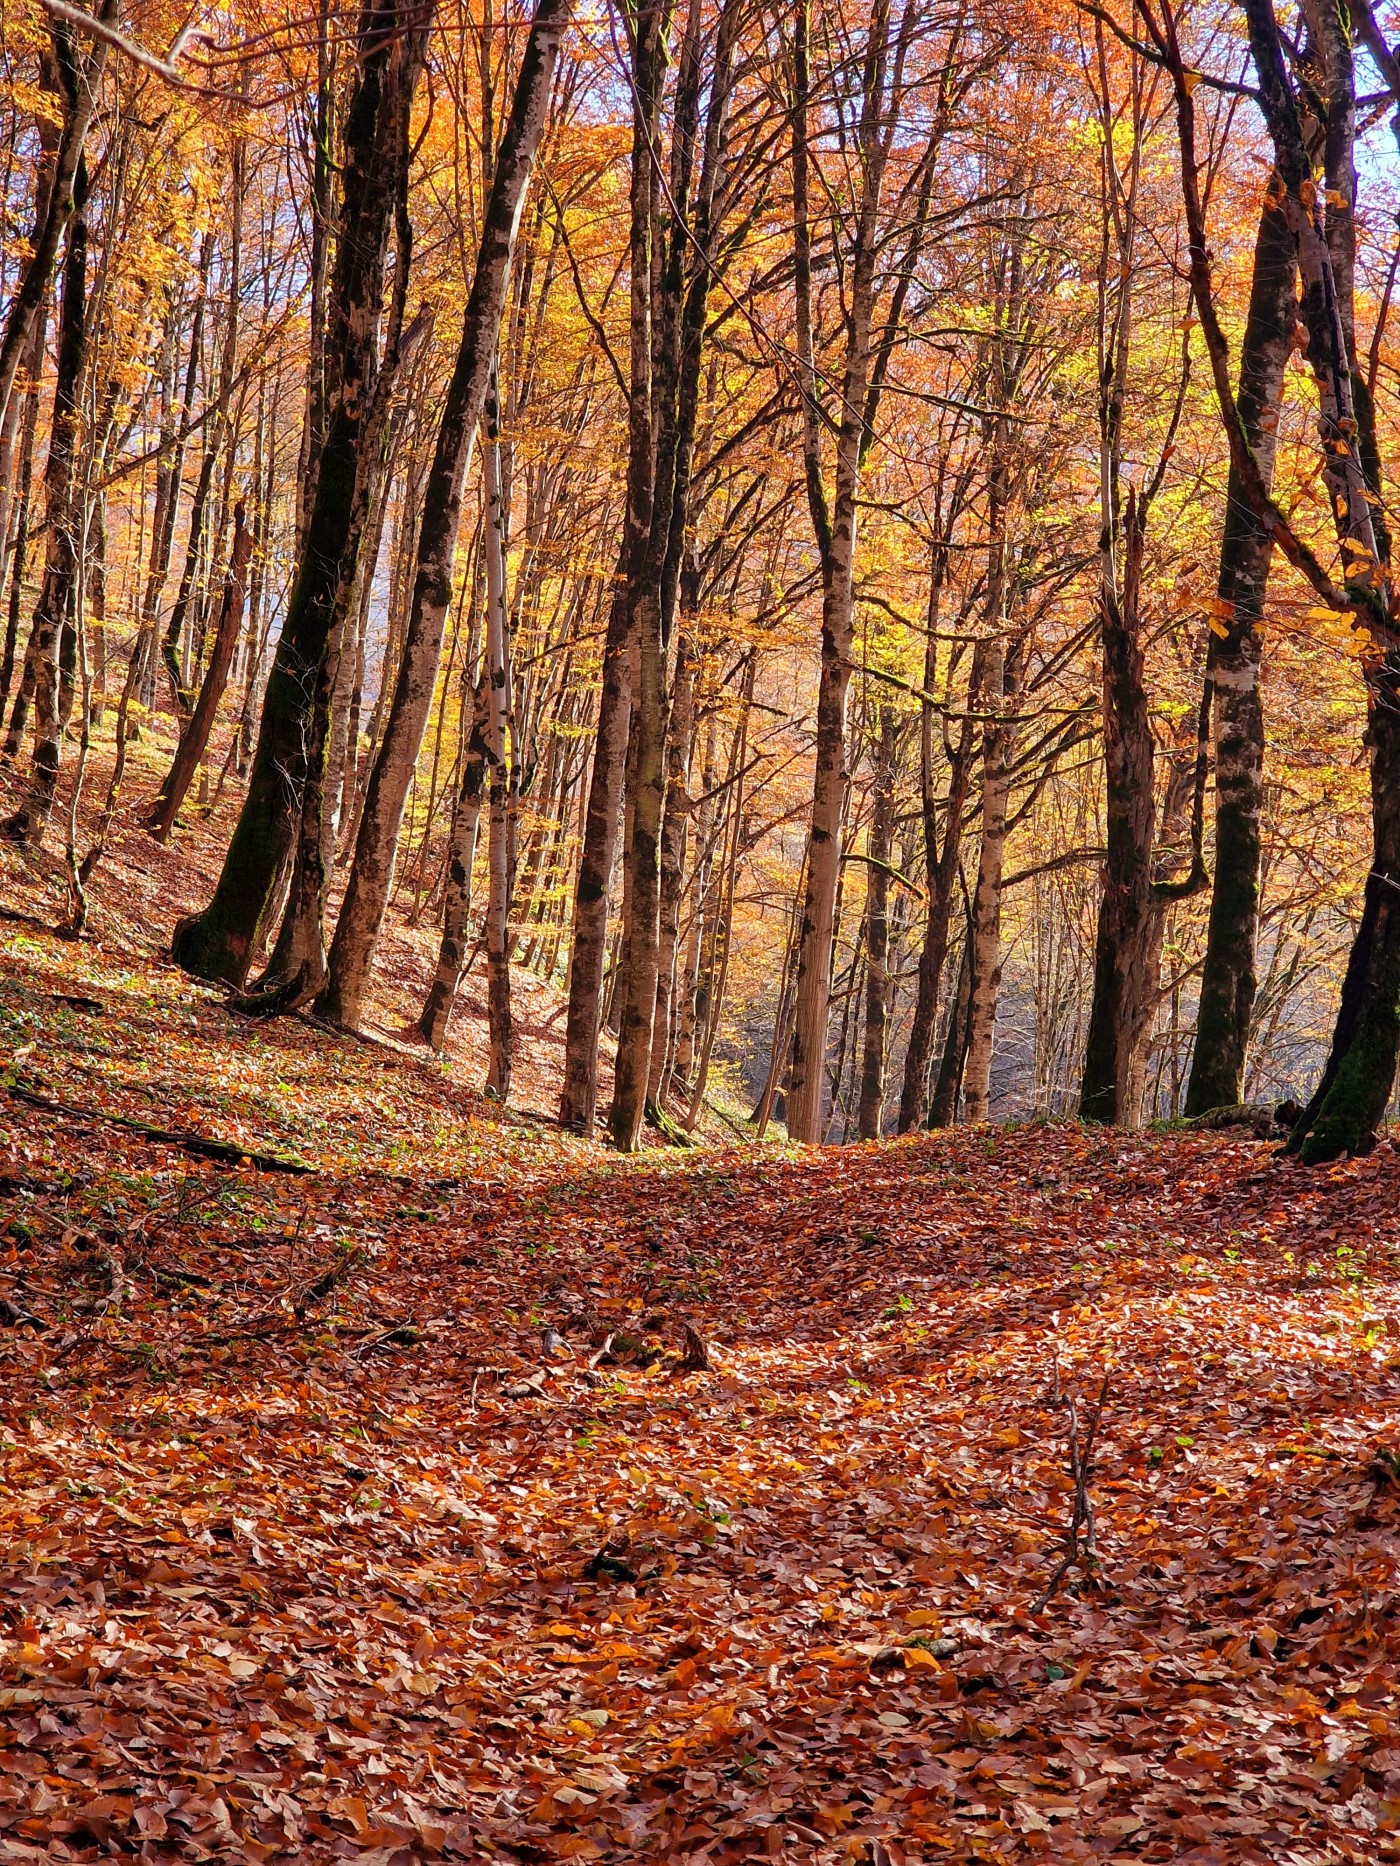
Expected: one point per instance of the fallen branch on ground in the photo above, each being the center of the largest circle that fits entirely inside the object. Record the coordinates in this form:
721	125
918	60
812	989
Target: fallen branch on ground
230	1153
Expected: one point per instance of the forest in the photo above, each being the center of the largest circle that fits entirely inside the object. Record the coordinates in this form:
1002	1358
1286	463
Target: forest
699	931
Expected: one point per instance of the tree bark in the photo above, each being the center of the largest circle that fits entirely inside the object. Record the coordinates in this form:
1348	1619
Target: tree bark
20	411
943	1109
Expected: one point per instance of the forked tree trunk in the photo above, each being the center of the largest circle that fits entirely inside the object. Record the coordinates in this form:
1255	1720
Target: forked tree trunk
386	792
219	942
1350	1101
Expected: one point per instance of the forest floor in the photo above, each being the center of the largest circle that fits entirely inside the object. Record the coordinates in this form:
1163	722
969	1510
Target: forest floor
315	1548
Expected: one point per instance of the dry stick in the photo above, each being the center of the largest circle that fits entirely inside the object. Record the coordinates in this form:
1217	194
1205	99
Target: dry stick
1082	1516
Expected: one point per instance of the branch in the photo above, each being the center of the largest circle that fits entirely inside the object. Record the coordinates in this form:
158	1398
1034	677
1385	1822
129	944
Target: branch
80	21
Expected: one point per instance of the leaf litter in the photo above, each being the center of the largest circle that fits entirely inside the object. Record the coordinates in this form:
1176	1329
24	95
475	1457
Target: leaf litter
481	1495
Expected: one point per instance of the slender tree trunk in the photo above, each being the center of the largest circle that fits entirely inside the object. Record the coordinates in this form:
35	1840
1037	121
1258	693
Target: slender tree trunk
21	408
1124	977
877	936
19	545
452	954
678	326
499	747
674	828
984	932
943	1110
219	942
371	870
321	202
1236	647
194	740
714	1008
941	870
579	1101
62	521
835	526
79	70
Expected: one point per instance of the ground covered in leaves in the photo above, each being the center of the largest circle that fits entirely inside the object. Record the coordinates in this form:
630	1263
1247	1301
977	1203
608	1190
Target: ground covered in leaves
371	1511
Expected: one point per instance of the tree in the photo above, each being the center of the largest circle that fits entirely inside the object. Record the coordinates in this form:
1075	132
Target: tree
219	942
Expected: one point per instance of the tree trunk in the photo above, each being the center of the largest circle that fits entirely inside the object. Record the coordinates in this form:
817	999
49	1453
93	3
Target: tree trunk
1351	1098
678	325
984	932
194	740
79	75
372	867
19	544
941	872
578	1103
674	835
500	747
62	524
943	1110
452	954
877	936
1246	548
20	408
1123	973
219	942
835	526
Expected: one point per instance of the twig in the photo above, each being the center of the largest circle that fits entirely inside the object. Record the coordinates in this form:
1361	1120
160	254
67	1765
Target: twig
320	1287
1082	1516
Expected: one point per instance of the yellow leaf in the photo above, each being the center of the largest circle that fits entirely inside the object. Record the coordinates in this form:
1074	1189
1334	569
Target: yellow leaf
915	1657
1189	81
